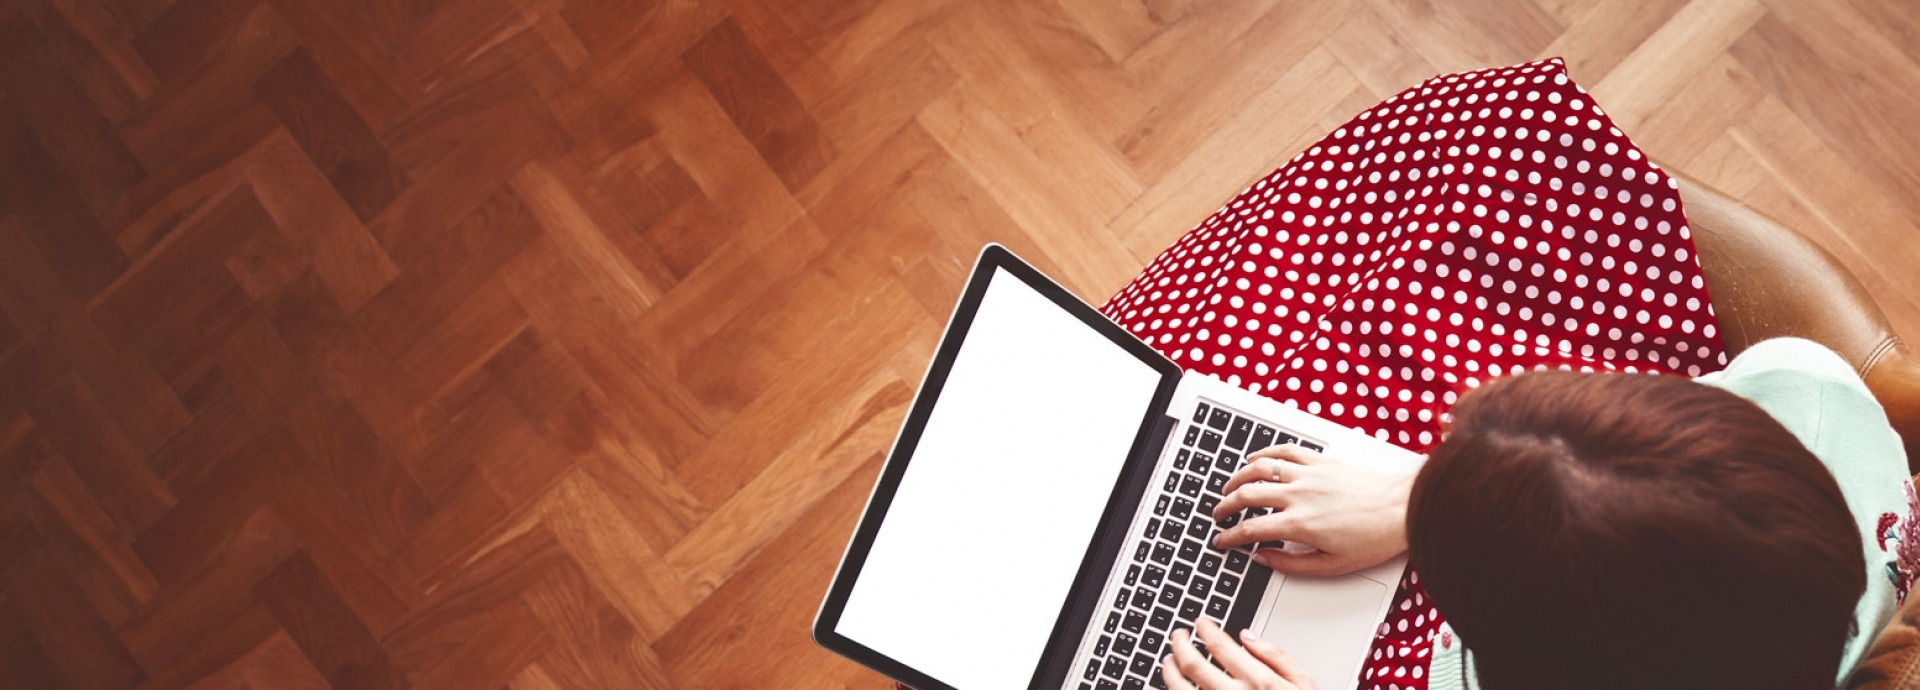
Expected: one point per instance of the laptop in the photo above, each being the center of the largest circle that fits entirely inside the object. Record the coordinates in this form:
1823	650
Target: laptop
1043	520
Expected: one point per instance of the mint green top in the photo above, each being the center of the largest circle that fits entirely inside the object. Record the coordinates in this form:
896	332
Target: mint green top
1816	395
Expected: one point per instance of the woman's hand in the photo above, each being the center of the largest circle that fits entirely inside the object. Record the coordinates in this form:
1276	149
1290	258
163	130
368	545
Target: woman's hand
1260	664
1356	516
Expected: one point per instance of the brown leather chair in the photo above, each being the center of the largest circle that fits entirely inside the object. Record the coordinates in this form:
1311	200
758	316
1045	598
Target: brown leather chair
1767	281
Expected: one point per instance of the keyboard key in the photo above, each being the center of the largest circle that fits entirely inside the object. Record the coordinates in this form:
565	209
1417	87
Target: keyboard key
1200	413
1190	609
1237	560
1161	619
1180	575
1208	503
1162	553
1262	437
1142	663
1229	584
1199	463
1180	459
1237	435
1189	486
1209	564
1200	528
1153	528
1217	607
1182	508
1192	438
1170	594
1171	530
1229	521
1134	621
1123	644
1115	668
1107	684
1120	600
1209	441
1152	642
1190	550
1100	648
1113	622
1200	587
1219	419
1154	576
1140	552
1282	438
1093	669
1086	686
1156	681
1133	683
1173	481
1160	504
1142	598
1133	575
1315	447
1227	462
1217	484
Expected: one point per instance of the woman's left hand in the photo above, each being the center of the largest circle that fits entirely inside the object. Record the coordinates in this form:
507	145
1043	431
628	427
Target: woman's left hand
1260	664
1356	516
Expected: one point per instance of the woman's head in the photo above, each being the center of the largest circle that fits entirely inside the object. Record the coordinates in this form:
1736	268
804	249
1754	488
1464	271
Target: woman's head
1634	531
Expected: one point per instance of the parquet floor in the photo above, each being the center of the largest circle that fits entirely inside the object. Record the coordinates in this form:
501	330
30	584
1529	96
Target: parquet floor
556	343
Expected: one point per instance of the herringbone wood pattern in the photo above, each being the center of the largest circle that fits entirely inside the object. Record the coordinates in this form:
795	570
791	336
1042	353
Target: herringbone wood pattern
555	343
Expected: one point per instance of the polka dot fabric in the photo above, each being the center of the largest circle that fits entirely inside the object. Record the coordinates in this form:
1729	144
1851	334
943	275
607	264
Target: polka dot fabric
1477	225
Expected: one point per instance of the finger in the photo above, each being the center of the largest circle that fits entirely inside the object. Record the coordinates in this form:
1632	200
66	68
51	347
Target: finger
1279	526
1277	659
1290	452
1262	470
1170	673
1237	661
1193	666
1255	495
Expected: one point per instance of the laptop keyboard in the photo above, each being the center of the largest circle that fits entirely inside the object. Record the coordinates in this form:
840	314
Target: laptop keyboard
1174	575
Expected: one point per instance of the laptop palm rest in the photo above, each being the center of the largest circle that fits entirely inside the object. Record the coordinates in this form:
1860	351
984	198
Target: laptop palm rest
1315	619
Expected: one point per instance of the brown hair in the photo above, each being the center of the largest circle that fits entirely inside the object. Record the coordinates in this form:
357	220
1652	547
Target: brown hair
1634	531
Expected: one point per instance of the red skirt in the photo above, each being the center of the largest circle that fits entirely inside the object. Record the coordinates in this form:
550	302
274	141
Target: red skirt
1477	225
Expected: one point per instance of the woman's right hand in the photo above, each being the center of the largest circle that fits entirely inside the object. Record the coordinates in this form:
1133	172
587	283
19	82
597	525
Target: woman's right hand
1355	515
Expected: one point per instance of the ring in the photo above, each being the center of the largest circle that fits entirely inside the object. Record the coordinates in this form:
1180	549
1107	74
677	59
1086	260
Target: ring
1274	471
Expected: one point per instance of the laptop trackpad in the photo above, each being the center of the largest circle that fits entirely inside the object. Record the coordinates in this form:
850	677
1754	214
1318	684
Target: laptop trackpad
1325	624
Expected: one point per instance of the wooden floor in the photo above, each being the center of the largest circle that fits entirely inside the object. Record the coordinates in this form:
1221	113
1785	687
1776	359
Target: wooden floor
556	343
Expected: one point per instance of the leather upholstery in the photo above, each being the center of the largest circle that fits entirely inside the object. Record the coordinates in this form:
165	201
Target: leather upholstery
1894	661
1768	281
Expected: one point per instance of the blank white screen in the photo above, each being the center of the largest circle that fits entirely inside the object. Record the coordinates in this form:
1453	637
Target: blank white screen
1001	499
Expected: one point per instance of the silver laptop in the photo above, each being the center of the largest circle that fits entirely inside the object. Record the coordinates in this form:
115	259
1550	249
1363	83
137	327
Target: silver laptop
1044	518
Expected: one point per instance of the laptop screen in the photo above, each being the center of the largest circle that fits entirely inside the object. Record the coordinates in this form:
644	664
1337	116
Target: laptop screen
1002	495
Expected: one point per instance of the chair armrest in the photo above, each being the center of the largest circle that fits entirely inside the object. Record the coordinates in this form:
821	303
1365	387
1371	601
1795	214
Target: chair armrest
1894	378
1893	663
1767	281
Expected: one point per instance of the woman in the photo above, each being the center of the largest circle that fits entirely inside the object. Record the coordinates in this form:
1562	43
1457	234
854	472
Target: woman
1612	530
1471	227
